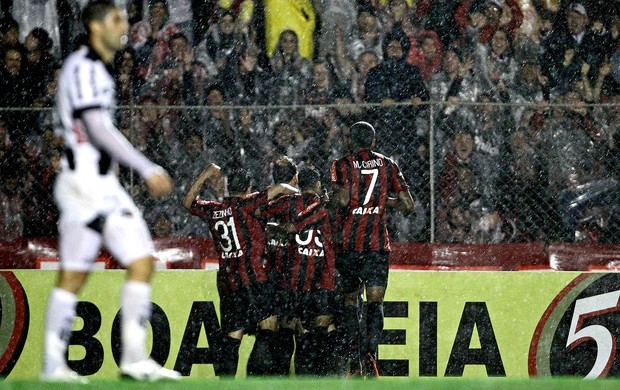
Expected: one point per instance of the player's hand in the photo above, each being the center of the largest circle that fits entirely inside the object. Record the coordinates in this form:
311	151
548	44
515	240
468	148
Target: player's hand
159	184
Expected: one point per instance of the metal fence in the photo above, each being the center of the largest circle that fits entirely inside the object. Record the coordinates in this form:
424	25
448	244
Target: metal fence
479	172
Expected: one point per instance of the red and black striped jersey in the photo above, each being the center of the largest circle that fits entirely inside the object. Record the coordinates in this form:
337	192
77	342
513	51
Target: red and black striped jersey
370	178
310	263
239	238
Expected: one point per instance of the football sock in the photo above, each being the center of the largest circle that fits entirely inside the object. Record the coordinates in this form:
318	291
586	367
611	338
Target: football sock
228	356
322	352
283	347
304	351
58	322
135	314
261	361
374	323
351	329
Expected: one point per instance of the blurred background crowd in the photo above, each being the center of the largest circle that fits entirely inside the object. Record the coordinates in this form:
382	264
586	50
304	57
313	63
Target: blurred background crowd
502	114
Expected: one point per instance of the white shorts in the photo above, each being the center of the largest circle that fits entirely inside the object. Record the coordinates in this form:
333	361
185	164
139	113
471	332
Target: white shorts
122	230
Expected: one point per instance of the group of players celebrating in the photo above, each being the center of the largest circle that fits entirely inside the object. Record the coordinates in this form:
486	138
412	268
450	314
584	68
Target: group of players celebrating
295	262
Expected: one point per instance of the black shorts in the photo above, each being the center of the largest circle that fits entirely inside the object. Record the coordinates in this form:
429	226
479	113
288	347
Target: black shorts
245	308
307	305
368	268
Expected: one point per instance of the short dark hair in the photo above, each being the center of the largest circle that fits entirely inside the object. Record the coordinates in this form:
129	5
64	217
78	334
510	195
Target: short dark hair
96	10
238	179
362	134
178	35
41	34
284	169
308	177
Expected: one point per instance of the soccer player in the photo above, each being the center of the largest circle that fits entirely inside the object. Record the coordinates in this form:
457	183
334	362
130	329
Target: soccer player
362	182
246	292
279	246
309	273
94	209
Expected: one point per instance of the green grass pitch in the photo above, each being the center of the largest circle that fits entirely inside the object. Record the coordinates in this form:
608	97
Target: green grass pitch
335	384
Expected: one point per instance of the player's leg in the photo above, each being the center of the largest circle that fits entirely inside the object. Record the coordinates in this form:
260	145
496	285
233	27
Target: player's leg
284	345
228	354
234	321
262	358
126	236
261	361
349	288
376	268
78	246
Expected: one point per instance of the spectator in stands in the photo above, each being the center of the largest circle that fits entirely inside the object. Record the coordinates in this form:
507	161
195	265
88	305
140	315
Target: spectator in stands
394	80
250	83
567	49
438	16
11	200
220	49
320	89
529	86
495	65
40	61
16	90
9	33
218	130
334	14
252	143
40	212
179	76
128	85
574	144
181	14
491	126
526	198
369	37
290	72
488	16
451	192
150	37
287	140
351	72
454	83
46	99
426	53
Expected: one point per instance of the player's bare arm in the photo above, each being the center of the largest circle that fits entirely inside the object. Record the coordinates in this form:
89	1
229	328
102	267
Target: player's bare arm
211	172
404	202
280	189
340	198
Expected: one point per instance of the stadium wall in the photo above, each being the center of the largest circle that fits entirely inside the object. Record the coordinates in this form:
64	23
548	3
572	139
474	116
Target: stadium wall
450	311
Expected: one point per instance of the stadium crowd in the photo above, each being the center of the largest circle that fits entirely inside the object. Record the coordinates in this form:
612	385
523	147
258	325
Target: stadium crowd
514	93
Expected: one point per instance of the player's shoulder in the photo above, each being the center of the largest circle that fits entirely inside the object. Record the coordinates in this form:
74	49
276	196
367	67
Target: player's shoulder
379	155
78	57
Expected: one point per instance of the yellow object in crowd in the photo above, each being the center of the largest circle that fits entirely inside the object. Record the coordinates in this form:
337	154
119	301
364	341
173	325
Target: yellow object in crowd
247	8
296	15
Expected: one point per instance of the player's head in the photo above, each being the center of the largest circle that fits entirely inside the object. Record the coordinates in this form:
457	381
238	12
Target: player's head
239	180
106	25
285	171
362	135
309	178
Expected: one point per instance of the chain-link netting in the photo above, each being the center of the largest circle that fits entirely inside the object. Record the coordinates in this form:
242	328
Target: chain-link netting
480	172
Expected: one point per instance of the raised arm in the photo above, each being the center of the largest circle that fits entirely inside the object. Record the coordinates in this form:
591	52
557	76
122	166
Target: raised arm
212	171
280	189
